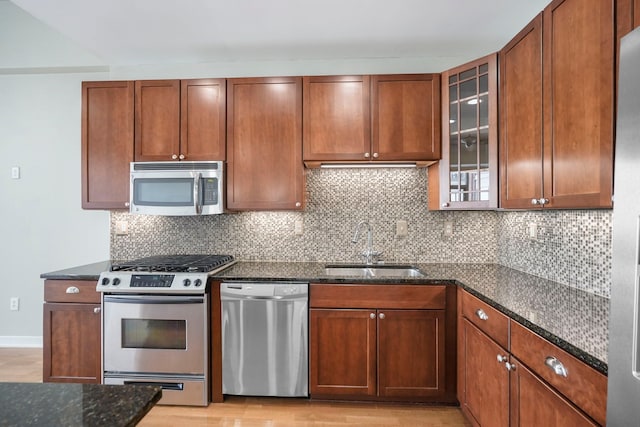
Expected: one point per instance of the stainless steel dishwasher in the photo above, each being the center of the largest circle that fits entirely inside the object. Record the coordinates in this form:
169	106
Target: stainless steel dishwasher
265	341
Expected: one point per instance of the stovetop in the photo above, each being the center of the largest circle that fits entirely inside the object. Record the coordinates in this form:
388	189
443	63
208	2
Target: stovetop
175	263
165	274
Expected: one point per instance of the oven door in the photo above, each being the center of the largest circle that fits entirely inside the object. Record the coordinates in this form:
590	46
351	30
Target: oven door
155	334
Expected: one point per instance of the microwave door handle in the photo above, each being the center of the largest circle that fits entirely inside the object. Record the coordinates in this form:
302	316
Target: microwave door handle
196	193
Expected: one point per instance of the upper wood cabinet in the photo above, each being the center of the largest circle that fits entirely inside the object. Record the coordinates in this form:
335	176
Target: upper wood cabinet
337	123
264	144
405	117
627	16
371	118
467	175
556	109
107	143
180	120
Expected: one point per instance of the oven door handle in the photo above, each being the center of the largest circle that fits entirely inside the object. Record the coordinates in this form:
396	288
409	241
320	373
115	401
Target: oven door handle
154	299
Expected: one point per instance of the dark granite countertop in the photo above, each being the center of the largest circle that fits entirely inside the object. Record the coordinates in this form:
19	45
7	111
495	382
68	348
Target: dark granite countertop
55	404
574	320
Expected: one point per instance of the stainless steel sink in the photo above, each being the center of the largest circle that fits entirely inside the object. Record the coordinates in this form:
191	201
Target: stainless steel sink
377	270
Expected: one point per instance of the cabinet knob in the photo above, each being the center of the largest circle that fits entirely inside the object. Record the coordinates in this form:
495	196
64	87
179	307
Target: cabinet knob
543	201
535	202
366	155
502	359
381	316
556	366
72	290
445	205
481	314
181	157
372	316
174	157
510	366
97	310
298	204
375	155
126	204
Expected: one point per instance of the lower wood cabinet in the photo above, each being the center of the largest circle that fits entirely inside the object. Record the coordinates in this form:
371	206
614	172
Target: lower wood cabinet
393	348
524	381
71	332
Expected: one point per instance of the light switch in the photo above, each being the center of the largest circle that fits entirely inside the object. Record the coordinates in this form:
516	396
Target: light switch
401	228
298	227
15	172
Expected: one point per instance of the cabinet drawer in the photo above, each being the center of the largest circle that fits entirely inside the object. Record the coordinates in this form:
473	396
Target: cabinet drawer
486	318
83	291
583	385
378	296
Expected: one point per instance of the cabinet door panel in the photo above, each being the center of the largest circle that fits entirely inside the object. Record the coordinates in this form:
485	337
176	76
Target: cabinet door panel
406	117
521	118
411	353
202	119
264	144
107	143
71	343
486	380
578	87
536	404
342	352
337	123
157	120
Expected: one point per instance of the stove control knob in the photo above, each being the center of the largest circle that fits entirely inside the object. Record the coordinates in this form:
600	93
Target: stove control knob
105	281
197	283
116	282
186	282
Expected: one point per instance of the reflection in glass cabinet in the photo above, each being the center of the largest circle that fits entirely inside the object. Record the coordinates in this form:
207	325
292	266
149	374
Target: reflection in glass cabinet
468	170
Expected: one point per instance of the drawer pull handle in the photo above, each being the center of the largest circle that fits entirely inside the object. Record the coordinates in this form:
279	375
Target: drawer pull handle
481	314
72	290
556	366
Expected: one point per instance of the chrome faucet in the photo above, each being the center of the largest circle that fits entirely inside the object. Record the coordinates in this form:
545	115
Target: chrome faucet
370	256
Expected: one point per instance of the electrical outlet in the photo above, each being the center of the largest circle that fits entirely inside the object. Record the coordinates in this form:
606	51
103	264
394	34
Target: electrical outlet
122	228
298	227
402	228
14	304
448	228
533	231
15	172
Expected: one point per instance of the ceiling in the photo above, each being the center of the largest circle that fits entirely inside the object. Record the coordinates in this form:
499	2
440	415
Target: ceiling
138	32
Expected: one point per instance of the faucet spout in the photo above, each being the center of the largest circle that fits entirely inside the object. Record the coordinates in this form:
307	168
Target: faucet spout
369	254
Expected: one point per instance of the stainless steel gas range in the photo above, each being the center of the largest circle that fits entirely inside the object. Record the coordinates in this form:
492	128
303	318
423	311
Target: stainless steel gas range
155	318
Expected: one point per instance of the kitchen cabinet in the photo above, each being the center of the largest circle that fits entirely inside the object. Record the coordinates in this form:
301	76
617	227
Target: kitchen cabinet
627	16
264	144
71	333
510	376
107	143
180	120
381	342
467	175
386	118
337	120
556	149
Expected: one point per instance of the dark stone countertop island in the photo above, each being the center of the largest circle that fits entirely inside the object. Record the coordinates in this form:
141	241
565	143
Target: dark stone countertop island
55	404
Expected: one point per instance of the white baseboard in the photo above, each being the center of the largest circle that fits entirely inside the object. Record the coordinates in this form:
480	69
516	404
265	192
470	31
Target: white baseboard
21	342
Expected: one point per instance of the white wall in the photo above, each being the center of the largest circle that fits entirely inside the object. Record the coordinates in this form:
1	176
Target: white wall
42	225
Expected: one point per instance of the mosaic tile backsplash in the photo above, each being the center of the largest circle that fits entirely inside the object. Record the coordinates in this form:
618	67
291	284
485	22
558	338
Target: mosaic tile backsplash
572	247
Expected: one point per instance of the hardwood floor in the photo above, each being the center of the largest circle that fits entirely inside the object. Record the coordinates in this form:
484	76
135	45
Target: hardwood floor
25	365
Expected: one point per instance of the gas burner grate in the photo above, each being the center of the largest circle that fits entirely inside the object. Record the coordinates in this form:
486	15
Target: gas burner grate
175	263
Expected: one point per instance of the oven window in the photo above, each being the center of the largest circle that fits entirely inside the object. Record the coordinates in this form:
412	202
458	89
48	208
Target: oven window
154	333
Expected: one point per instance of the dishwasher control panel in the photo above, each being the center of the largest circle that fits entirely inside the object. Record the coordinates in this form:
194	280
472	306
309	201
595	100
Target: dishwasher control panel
253	290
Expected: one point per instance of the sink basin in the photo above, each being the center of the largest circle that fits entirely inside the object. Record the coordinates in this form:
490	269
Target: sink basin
377	270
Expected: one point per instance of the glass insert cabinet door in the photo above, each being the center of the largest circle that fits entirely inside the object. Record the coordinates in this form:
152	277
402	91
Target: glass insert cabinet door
468	169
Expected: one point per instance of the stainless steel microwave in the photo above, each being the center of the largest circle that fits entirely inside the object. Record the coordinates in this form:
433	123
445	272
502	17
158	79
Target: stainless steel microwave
176	188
